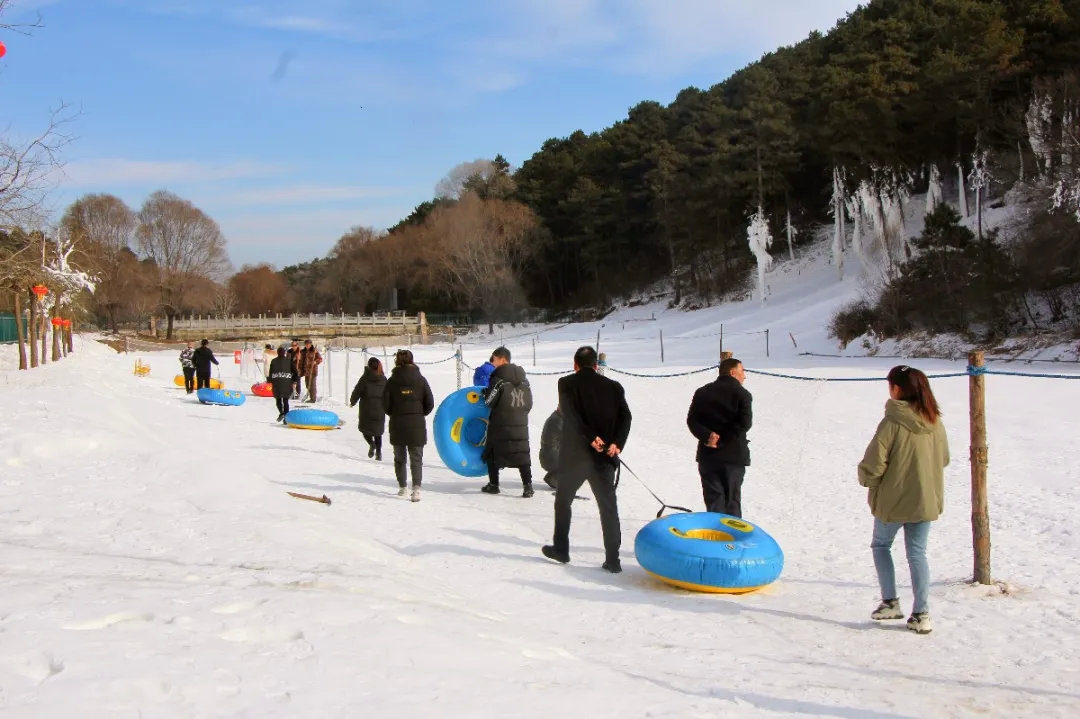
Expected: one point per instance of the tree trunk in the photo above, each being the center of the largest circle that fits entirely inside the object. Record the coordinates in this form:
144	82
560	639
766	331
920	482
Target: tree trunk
32	326
169	331
44	334
112	319
56	334
20	329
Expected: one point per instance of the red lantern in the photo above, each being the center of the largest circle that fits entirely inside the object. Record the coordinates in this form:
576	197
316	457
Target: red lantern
40	290
67	324
3	49
56	322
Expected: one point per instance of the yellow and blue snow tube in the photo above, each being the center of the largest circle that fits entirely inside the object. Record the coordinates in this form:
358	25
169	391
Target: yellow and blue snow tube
709	552
460	427
308	418
178	380
220	396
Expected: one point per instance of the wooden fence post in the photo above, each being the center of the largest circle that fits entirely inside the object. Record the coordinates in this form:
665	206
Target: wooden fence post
980	516
661	346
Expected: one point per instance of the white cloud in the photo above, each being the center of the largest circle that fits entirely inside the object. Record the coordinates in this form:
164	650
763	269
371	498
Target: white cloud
120	171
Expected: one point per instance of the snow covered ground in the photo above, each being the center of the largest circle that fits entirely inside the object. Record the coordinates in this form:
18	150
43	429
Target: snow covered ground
152	564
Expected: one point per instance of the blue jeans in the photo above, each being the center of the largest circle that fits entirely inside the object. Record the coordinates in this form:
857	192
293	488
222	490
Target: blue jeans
915	537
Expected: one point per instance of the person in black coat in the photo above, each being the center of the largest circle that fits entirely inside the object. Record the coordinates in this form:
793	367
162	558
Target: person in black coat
408	400
510	399
369	393
720	415
596	424
294	356
282	375
550	439
203	357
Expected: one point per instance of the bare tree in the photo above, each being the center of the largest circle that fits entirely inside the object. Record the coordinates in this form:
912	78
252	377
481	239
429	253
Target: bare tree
27	169
259	288
185	245
490	179
103	227
484	246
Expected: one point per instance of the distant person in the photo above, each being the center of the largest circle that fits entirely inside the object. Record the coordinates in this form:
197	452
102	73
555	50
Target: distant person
187	364
720	415
904	469
203	358
596	424
482	375
407	399
281	376
550	438
369	393
268	356
510	399
311	361
294	356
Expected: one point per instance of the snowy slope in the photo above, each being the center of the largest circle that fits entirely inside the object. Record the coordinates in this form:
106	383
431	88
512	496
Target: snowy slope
152	564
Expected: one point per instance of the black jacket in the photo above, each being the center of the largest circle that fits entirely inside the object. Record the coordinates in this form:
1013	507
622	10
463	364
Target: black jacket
592	406
550	439
510	399
369	393
282	374
723	407
407	399
202	358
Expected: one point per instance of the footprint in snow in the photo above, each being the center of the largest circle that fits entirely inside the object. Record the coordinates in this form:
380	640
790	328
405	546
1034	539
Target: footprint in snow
110	620
238	607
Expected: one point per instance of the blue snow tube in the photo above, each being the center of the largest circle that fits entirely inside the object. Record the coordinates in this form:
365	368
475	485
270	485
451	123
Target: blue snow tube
460	427
220	396
312	419
709	552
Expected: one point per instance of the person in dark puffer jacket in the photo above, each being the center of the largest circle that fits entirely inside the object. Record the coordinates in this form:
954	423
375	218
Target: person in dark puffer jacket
369	393
282	375
407	399
550	439
510	399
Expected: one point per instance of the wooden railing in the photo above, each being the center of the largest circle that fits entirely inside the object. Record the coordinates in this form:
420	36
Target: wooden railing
313	320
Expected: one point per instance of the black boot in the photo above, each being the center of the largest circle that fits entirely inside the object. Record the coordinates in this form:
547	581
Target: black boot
528	491
490	488
549	551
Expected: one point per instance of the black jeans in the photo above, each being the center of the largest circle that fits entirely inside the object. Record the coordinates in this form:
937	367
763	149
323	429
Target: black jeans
526	474
601	479
416	464
282	403
374	441
203	379
189	379
721	485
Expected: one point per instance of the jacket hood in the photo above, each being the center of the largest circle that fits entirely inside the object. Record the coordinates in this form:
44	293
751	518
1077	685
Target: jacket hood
408	370
904	415
511	373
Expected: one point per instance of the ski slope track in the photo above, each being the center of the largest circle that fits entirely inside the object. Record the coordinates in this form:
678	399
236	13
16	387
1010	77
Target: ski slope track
152	564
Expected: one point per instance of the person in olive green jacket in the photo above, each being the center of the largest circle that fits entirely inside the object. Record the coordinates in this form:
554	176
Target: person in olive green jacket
904	469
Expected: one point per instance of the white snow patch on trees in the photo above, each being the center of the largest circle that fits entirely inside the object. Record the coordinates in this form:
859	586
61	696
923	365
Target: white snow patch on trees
934	195
760	240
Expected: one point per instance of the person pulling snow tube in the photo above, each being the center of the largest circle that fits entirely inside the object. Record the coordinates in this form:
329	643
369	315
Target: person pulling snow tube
227	397
178	380
308	418
262	389
709	552
460	426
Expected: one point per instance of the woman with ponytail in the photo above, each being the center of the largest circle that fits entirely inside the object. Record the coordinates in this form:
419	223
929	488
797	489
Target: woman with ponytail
904	469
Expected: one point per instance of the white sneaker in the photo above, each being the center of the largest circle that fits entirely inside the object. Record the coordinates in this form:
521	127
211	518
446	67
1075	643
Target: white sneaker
415	494
403	491
888	609
920	623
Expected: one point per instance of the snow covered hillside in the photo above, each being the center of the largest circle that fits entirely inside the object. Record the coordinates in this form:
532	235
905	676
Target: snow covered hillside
152	564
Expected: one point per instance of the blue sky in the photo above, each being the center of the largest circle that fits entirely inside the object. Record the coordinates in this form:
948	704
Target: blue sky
289	121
